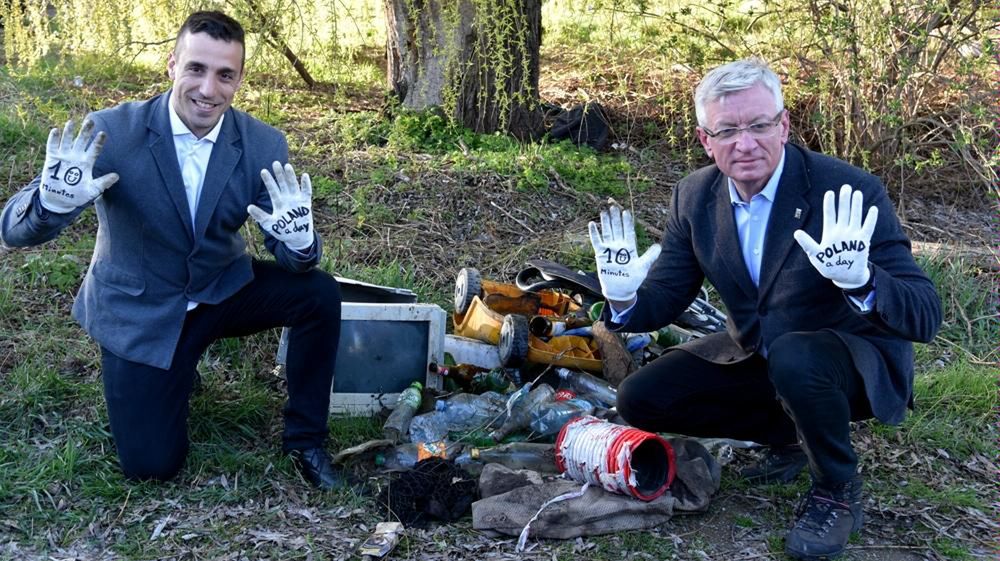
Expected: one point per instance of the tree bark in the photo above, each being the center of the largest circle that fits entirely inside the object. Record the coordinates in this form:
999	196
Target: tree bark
451	54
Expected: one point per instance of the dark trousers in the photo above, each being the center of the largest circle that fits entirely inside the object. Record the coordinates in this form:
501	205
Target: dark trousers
148	407
807	390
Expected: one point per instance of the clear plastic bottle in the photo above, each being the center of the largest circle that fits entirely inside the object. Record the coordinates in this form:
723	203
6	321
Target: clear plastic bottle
549	418
429	427
585	383
516	455
467	411
398	423
405	456
520	411
461	412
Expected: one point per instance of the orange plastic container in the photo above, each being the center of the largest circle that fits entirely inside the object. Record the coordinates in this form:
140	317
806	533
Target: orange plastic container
497	313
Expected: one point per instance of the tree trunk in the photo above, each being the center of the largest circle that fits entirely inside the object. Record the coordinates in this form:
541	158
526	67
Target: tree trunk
476	60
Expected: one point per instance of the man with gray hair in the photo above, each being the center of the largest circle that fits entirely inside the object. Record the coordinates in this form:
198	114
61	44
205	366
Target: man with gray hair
822	305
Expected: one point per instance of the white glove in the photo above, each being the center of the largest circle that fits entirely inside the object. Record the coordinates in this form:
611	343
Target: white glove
619	267
842	256
68	177
291	220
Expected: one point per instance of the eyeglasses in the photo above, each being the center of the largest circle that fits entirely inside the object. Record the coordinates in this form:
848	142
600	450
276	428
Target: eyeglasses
756	130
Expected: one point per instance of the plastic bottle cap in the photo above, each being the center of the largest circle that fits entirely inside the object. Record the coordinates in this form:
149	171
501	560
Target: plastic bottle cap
563	395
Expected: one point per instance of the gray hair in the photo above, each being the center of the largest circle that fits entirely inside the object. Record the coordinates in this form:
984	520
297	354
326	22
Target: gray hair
733	77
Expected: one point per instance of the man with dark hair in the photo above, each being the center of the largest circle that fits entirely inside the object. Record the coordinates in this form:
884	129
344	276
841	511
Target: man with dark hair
818	335
172	180
216	25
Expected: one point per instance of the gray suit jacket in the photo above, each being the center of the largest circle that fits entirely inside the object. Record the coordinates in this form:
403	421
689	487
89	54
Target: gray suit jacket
700	241
149	259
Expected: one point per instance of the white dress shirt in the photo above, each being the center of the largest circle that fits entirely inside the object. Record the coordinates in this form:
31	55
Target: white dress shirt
193	154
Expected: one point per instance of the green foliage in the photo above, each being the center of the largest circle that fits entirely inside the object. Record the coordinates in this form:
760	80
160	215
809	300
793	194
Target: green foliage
619	544
532	165
968	302
61	272
952	550
391	273
483	47
359	130
425	131
18	132
901	88
952	496
953	411
365	208
351	431
330	39
7	288
325	188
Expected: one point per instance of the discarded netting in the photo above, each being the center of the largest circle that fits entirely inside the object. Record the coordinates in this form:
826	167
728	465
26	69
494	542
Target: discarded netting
433	489
620	459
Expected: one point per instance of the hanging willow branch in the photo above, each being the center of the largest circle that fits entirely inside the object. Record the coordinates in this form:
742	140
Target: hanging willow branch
272	38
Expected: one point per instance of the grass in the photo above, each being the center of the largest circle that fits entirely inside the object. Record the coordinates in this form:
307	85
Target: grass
969	304
955	407
531	166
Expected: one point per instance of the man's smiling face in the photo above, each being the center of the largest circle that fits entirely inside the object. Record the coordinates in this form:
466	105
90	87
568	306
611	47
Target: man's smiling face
206	73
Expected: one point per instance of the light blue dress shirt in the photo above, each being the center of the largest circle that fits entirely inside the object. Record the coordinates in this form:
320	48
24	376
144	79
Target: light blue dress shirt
751	219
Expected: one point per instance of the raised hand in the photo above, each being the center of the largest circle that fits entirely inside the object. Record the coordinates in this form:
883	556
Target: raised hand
291	220
619	267
842	254
67	180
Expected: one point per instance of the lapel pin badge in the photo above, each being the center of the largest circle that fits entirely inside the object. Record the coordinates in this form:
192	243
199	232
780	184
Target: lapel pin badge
798	213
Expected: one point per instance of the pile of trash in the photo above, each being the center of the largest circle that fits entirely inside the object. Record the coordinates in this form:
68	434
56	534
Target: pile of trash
549	460
468	426
551	315
547	454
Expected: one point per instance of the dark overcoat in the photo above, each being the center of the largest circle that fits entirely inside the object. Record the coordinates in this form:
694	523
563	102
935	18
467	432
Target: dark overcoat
700	241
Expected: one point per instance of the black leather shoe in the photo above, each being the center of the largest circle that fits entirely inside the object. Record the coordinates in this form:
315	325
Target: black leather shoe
314	464
827	517
781	464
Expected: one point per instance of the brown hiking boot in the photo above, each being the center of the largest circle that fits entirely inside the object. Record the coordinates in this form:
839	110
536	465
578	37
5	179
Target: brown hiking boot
827	517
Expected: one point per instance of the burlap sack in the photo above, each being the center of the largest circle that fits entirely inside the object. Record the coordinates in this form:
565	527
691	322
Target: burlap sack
597	511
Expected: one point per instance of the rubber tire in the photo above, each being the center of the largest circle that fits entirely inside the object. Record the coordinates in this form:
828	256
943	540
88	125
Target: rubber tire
513	345
468	285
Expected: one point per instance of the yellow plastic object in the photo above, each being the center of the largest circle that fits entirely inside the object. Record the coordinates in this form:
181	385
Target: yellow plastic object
570	351
483	322
479	322
484	317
